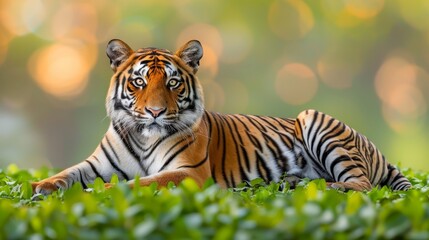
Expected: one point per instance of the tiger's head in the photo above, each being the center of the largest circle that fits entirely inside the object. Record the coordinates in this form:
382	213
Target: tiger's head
154	91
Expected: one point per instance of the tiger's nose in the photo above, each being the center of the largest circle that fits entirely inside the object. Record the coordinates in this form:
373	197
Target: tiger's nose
155	111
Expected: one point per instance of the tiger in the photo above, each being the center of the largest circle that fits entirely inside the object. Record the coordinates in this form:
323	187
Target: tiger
161	132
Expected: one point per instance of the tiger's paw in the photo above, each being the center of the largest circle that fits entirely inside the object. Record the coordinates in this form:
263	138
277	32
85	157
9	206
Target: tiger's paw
46	187
336	186
291	181
346	186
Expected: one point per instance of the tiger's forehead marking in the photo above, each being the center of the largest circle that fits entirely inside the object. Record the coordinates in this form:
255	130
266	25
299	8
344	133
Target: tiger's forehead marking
152	60
153	51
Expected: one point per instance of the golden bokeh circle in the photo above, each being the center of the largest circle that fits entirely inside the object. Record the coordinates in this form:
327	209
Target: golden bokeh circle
296	83
60	70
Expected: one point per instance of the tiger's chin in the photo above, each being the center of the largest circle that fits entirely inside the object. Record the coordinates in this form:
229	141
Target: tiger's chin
155	130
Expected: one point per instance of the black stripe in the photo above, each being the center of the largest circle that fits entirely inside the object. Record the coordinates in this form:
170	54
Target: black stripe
218	127
253	122
286	139
272	126
312	123
126	142
376	169
243	176
330	147
338	143
396	178
111	148
316	133
254	141
321	168
279	159
154	146
276	153
214	173
354	176
219	131
112	163
195	97
383	166
325	136
243	150
346	170
97	174
390	169
175	145
207	147
401	184
252	138
81	179
335	162
115	96
244	124
231	174
285	128
224	156
198	164
173	156
261	163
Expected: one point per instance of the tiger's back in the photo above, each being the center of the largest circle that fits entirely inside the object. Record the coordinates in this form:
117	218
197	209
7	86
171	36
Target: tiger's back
315	145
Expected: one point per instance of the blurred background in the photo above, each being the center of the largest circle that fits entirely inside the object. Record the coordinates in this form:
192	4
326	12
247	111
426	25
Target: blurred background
366	62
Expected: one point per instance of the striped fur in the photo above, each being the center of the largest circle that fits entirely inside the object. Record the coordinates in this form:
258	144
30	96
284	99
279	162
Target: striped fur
160	131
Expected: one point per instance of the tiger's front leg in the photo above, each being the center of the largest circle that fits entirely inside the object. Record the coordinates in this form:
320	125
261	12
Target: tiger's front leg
64	179
165	177
108	158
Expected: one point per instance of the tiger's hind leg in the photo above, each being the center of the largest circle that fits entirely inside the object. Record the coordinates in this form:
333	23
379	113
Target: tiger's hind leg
345	172
330	151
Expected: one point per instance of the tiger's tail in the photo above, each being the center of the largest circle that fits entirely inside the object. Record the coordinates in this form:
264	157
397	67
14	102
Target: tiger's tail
395	179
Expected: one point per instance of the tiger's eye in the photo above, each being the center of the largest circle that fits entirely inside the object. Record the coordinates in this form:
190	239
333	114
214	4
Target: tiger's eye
173	83
138	82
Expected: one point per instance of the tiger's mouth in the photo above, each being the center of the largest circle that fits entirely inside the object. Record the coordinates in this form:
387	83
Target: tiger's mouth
156	128
154	125
168	124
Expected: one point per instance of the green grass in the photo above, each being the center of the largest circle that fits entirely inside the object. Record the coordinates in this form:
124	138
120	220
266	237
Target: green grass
255	211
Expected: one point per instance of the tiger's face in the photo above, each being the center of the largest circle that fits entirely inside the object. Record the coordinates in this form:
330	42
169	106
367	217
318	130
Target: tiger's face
154	91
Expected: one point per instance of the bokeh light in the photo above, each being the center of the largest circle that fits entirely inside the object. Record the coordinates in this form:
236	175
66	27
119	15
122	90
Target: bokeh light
290	19
74	19
124	31
239	39
4	44
194	10
211	40
335	72
337	13
236	96
214	95
396	86
61	70
364	9
22	17
415	14
296	83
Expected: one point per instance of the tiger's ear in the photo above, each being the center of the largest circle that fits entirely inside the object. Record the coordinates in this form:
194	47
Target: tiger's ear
118	52
191	53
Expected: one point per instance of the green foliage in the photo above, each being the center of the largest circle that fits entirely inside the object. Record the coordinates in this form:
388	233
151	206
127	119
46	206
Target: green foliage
254	210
